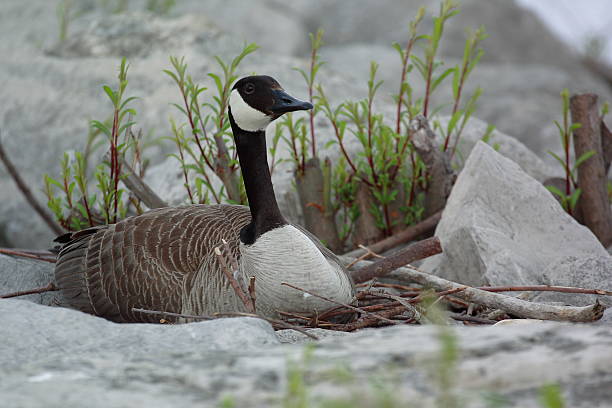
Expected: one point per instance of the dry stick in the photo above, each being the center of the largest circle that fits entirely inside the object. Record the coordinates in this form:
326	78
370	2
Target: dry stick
356	309
511	305
416	251
140	189
49	288
545	288
368	320
594	201
25	190
233	282
472	319
26	255
401	237
368	254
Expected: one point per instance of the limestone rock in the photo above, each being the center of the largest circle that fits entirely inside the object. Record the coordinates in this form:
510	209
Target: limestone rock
590	272
34	333
502	227
59	357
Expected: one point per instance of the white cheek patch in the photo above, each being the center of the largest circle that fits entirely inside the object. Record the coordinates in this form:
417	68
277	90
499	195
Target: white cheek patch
246	117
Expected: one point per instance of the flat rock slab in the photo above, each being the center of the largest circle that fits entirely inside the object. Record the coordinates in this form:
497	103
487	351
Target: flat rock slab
31	332
56	357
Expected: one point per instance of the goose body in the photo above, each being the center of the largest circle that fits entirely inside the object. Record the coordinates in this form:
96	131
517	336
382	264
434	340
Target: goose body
164	259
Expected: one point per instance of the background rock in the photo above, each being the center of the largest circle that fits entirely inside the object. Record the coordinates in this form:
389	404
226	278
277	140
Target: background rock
502	227
51	91
19	274
46	362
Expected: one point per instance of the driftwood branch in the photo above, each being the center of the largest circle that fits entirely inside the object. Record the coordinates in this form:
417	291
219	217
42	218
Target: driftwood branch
401	237
140	189
49	288
414	252
594	202
27	193
511	305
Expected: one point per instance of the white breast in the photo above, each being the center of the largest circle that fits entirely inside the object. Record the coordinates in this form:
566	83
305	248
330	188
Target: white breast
287	255
246	117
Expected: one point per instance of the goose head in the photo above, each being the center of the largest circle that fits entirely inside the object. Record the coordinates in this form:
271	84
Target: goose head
255	101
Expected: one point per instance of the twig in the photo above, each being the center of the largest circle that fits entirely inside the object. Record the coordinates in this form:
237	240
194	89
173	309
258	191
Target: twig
545	288
401	237
252	293
356	309
472	319
233	282
26	255
416	251
511	305
25	190
369	320
49	288
368	254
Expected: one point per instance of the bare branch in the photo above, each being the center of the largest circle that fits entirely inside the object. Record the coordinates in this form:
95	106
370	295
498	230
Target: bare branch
140	189
26	255
416	251
356	309
511	305
49	288
27	193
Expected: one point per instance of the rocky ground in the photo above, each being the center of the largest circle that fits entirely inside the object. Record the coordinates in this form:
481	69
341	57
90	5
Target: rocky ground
500	227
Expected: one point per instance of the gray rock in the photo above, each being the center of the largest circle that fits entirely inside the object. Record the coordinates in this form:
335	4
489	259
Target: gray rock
508	146
37	333
58	357
502	227
21	274
593	272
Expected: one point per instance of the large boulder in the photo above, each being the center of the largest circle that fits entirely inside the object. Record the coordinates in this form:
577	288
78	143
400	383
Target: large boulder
59	357
502	227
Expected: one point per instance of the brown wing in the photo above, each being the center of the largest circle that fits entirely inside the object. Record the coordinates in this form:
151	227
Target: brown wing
148	261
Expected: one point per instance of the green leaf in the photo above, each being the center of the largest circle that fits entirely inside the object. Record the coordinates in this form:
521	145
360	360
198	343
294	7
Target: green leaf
441	78
586	156
556	191
111	94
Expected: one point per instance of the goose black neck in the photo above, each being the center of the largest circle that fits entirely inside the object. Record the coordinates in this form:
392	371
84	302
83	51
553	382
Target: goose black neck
252	154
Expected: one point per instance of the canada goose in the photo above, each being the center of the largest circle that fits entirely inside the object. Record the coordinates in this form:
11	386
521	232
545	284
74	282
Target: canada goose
164	259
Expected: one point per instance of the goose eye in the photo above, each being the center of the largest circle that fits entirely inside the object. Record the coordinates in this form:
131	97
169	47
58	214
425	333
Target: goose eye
249	88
